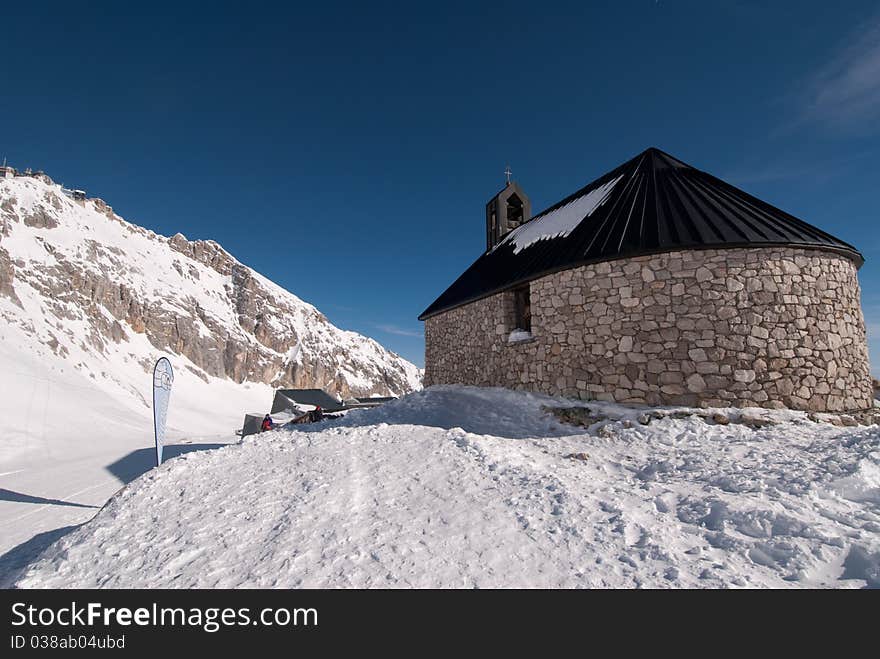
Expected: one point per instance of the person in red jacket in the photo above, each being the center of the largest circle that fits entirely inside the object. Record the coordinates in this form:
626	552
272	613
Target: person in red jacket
267	424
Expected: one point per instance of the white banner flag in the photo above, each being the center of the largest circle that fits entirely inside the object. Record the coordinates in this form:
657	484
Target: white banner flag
163	378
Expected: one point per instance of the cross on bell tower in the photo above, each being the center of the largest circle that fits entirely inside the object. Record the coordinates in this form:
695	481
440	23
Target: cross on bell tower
507	173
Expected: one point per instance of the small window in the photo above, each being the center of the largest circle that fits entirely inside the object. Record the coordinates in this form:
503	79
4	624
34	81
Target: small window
522	309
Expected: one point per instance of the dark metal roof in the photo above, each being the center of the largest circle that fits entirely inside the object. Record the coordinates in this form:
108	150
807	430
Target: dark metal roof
652	203
376	399
312	397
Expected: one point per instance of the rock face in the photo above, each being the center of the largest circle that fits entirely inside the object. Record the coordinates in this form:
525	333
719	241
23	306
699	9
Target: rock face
770	327
75	273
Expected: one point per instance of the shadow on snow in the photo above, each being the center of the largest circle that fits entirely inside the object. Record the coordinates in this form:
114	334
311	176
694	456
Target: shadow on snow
14	562
20	497
139	462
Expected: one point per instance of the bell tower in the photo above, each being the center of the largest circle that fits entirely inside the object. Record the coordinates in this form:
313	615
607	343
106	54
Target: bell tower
506	211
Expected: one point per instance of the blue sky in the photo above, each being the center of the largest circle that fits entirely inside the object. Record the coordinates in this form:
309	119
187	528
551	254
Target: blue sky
347	150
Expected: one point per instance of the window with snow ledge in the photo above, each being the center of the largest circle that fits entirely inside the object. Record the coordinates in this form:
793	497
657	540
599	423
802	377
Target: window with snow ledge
518	336
522	316
522	309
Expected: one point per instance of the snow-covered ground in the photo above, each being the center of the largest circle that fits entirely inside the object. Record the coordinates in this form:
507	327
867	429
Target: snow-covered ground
466	487
70	440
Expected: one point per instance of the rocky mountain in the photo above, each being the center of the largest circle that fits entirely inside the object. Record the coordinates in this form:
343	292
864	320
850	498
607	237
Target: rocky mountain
93	289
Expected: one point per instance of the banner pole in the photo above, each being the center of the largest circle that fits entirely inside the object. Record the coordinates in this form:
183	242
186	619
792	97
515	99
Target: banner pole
163	378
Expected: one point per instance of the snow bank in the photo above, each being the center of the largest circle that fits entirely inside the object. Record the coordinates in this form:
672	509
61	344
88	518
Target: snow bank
463	487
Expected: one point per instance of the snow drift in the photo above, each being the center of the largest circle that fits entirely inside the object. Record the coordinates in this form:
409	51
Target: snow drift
463	487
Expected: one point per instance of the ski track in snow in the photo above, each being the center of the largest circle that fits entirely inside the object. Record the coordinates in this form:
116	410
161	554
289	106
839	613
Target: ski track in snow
464	487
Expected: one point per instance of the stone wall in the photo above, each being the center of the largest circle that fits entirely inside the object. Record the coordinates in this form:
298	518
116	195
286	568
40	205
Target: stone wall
771	327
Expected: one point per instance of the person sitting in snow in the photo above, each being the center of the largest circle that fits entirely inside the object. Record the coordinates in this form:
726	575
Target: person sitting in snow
317	414
267	424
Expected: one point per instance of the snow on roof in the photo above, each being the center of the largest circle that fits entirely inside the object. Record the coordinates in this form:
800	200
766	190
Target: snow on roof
561	221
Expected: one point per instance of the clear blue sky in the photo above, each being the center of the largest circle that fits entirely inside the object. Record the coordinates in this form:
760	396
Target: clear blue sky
347	150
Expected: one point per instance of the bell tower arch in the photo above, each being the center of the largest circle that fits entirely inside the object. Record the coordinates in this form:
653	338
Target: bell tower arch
505	212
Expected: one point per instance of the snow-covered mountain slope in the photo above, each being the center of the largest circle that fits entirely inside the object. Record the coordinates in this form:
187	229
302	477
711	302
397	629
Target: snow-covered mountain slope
88	302
109	297
465	487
